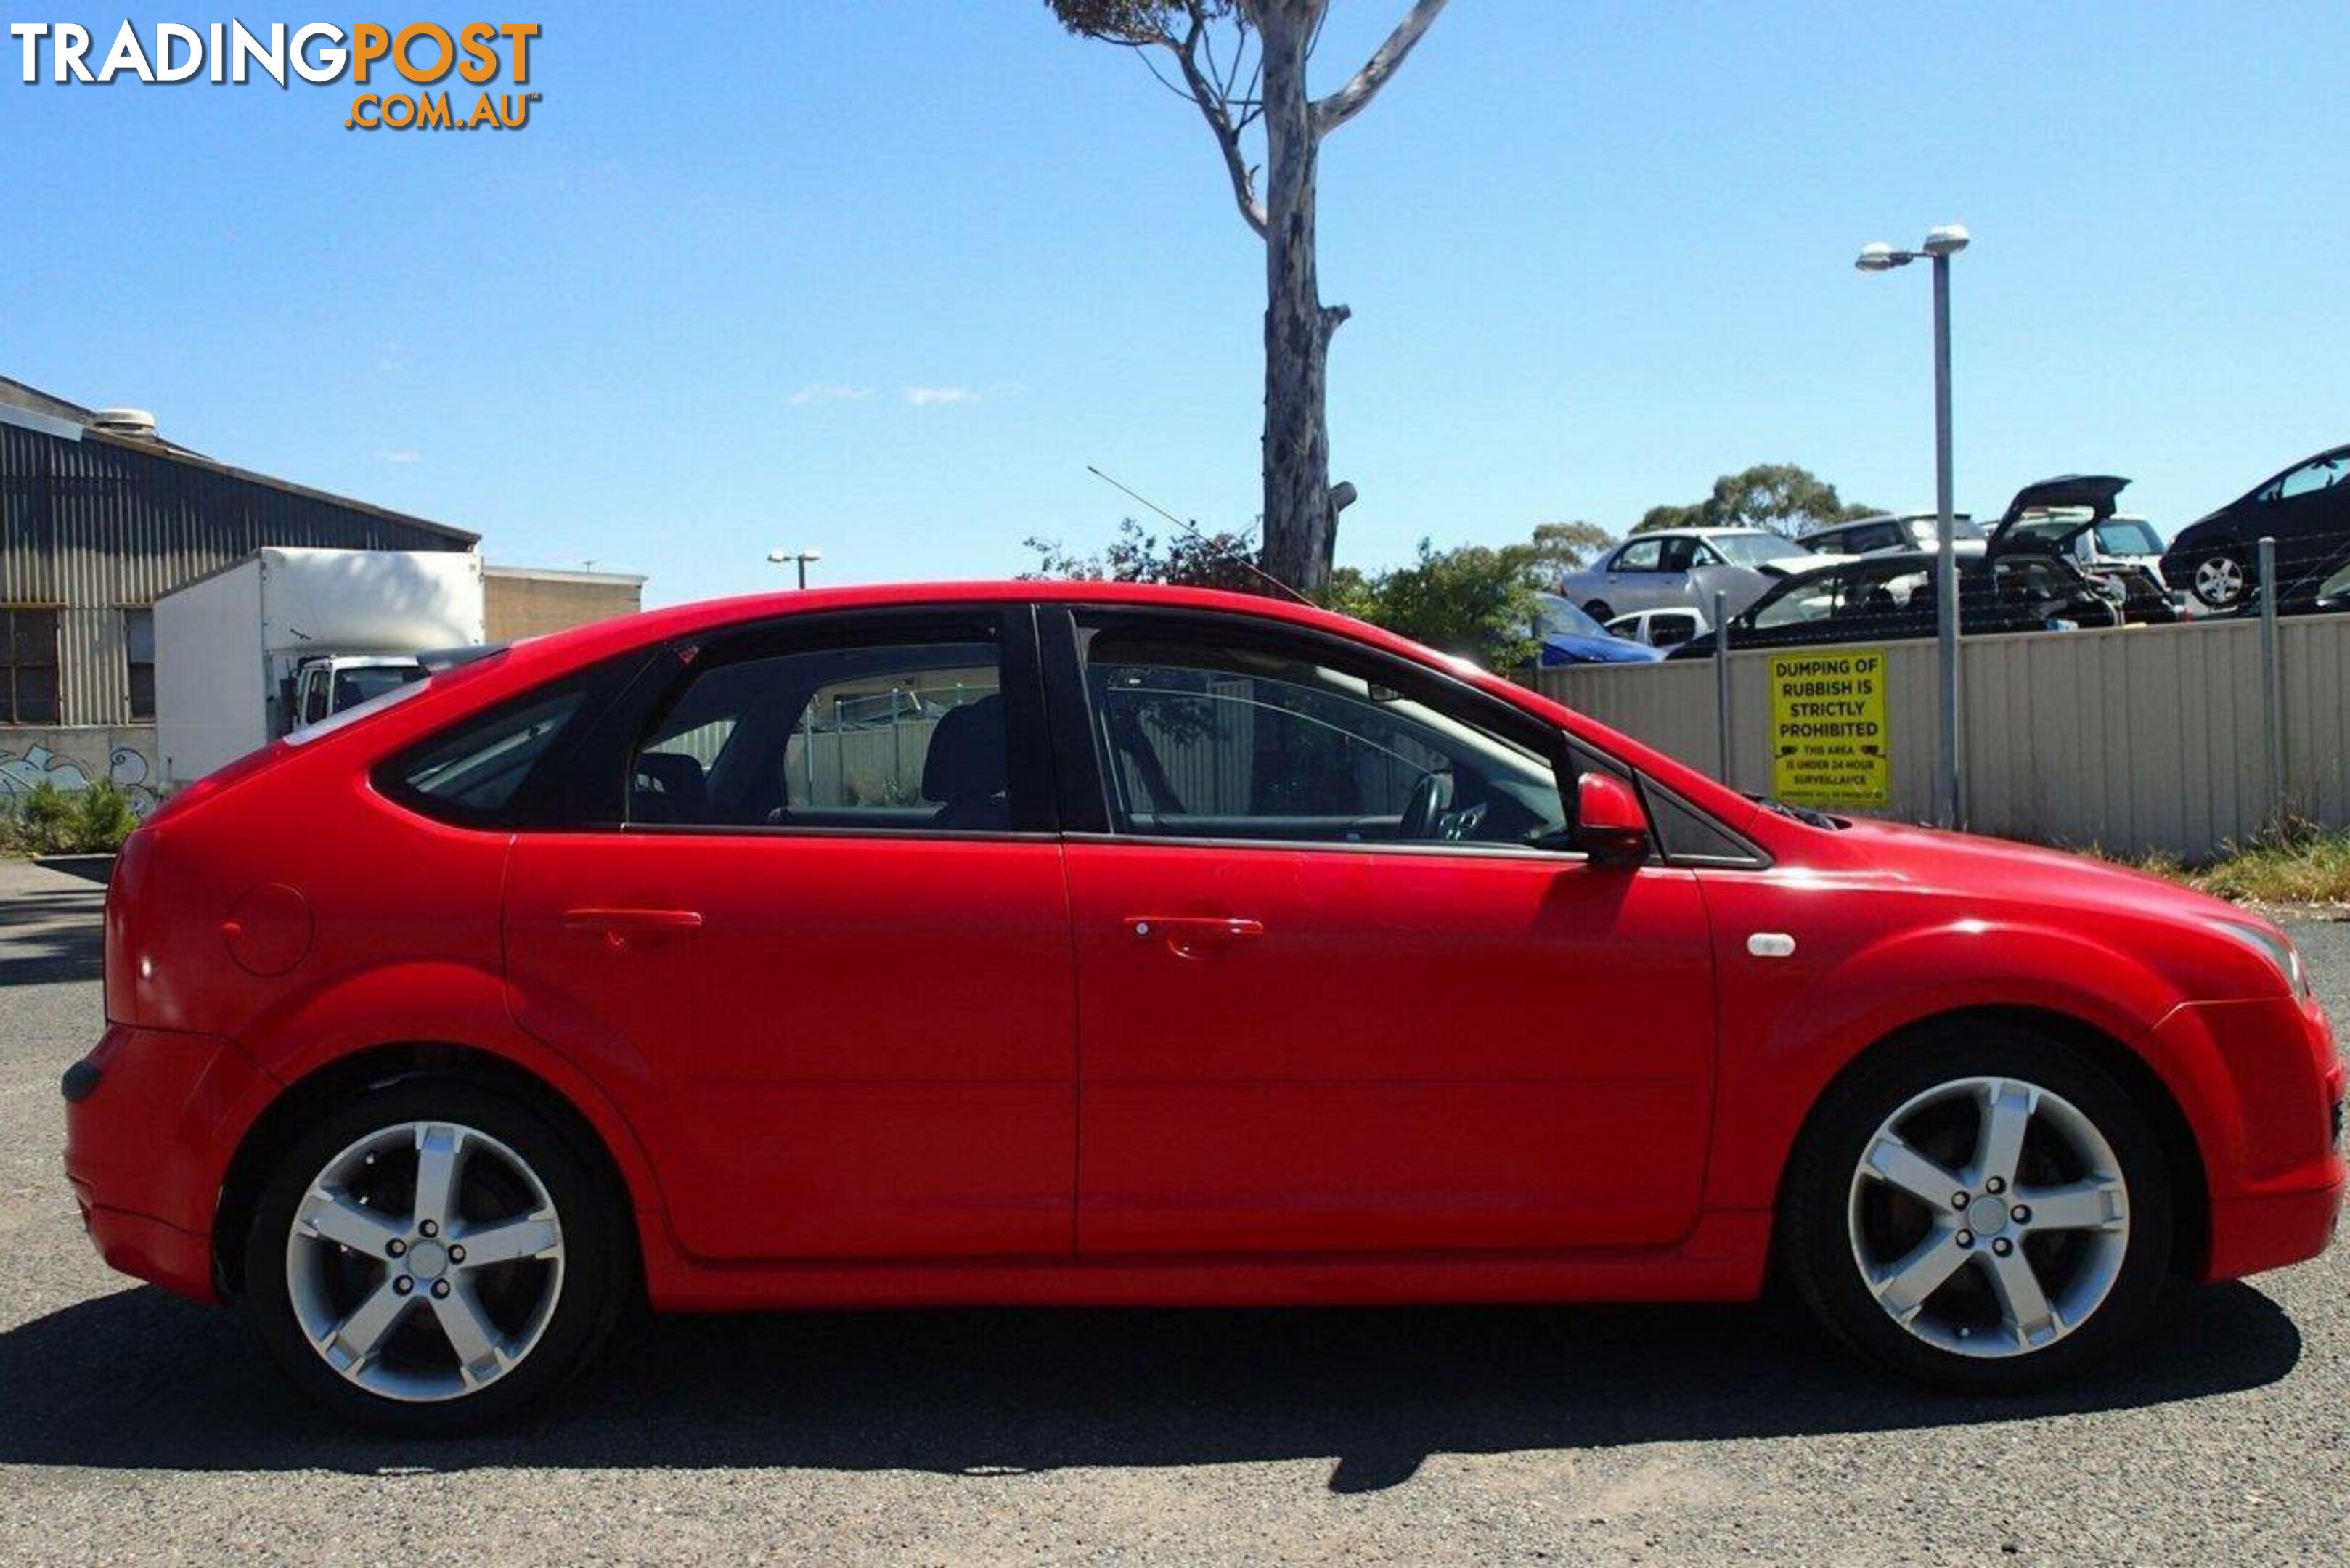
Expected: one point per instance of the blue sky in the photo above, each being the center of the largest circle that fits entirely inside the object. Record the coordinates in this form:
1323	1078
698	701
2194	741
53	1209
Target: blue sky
1597	255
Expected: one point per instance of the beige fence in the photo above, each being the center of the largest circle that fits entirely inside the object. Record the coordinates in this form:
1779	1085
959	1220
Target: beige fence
2135	739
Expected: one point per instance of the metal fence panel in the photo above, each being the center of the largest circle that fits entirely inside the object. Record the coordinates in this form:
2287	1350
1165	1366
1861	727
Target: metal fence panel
2134	739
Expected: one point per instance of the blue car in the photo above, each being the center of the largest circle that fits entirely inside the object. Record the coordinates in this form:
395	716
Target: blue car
1570	636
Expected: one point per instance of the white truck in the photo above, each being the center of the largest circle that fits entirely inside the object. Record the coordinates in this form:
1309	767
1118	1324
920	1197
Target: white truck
285	637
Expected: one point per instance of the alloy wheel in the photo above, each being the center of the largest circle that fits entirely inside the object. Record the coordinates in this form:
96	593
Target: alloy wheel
1989	1217
424	1262
2219	580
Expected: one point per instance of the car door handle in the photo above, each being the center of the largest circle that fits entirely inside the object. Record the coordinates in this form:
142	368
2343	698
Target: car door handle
1187	936
618	925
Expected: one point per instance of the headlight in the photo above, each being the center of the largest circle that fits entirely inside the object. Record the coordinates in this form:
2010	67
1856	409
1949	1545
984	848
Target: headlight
2274	947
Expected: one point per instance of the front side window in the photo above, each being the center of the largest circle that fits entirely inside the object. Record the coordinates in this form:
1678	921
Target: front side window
1206	742
1681	554
1863	597
29	695
906	736
2312	477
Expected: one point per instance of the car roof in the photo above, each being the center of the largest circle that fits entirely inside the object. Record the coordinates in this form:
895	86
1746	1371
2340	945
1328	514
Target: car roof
1698	532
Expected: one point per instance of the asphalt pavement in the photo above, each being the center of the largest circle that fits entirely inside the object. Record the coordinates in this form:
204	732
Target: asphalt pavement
133	1425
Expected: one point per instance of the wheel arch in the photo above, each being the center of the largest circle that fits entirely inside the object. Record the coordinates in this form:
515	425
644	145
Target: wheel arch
2138	1076
284	1120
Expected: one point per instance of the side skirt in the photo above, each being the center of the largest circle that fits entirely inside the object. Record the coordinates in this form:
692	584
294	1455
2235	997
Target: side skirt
1721	1259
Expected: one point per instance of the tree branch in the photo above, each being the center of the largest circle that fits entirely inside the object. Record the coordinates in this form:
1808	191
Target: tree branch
1339	108
1216	111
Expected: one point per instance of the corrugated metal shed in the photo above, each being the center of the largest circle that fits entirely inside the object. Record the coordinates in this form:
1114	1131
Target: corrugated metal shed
93	523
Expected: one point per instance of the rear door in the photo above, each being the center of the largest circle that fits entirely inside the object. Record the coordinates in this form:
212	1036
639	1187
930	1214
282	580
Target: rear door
1635	577
822	941
1331	997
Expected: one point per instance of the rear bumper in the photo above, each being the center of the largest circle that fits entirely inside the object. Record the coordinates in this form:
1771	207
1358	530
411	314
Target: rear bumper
146	1248
151	1118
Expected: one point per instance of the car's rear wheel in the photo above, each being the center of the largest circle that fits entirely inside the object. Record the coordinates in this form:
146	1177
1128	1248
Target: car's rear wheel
1600	611
432	1256
1982	1208
2219	579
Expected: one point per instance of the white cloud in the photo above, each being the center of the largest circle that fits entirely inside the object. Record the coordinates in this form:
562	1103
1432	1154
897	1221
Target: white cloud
939	397
824	392
402	455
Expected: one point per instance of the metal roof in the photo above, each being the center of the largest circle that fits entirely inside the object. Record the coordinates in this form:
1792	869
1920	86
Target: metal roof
29	407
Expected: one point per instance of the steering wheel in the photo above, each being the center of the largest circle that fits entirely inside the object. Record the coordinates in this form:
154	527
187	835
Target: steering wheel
1431	797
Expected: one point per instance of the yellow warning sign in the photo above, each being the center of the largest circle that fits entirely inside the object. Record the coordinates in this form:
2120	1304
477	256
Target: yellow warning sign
1829	744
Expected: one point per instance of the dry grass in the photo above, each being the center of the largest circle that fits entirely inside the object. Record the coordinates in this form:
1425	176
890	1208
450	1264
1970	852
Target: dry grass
2297	864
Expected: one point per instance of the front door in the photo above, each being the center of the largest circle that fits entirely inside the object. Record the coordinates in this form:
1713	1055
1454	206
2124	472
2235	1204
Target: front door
827	956
1335	996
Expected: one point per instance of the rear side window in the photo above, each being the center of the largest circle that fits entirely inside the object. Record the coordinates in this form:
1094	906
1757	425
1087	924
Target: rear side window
852	736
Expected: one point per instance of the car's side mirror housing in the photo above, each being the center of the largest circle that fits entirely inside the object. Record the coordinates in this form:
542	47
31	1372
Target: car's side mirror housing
1609	824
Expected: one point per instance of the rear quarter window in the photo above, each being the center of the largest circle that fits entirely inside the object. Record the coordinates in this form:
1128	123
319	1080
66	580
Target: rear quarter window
475	773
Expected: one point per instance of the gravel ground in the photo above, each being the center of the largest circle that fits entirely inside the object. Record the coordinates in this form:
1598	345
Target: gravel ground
133	1425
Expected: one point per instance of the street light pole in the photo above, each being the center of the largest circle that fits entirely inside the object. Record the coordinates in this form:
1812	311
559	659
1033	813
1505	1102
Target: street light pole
1941	244
799	558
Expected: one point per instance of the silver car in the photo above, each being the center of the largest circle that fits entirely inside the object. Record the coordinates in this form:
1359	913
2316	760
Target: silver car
1682	568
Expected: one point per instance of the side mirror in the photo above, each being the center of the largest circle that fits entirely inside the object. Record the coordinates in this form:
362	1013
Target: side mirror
1609	824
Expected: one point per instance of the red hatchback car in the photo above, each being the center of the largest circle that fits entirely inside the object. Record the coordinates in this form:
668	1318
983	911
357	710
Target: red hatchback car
1077	943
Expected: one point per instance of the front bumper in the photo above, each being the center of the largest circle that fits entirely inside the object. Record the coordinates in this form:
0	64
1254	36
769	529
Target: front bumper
151	1118
2267	1115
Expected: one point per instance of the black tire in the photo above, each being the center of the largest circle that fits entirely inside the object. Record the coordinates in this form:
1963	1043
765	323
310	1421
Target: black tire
596	1272
1817	1251
2227	556
1598	610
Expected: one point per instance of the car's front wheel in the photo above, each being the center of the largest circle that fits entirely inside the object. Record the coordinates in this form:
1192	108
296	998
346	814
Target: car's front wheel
2219	579
1982	1208
1600	611
432	1256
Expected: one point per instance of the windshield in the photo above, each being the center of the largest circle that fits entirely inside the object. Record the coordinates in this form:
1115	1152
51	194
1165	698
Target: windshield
1558	618
413	687
1754	549
1925	530
2129	537
355	686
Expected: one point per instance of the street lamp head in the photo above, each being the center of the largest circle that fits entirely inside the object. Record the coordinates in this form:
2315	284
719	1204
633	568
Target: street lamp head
811	554
1948	240
778	557
1878	257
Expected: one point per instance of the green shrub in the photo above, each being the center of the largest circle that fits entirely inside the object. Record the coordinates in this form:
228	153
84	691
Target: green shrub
48	818
102	819
45	820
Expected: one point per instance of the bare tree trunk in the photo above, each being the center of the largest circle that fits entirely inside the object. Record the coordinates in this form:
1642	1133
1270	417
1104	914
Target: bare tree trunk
1300	527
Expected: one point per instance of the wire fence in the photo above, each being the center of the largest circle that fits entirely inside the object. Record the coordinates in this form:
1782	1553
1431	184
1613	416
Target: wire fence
2179	738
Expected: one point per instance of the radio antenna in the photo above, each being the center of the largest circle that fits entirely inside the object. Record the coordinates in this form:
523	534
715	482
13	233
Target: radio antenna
1193	530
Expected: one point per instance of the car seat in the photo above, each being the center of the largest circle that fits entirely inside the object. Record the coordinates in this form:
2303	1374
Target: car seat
964	771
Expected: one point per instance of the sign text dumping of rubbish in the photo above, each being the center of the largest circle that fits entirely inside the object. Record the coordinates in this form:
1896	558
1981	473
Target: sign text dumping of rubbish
1829	745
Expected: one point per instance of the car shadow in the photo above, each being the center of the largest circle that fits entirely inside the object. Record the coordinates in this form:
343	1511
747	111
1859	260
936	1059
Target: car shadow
143	1380
51	936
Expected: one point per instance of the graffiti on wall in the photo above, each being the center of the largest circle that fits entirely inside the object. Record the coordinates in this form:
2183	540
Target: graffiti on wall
24	766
